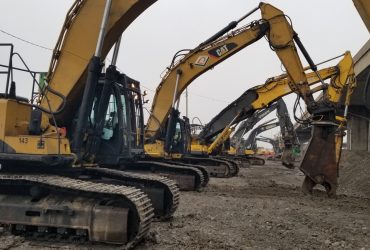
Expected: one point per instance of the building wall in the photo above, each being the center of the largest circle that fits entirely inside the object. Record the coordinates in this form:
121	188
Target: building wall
358	134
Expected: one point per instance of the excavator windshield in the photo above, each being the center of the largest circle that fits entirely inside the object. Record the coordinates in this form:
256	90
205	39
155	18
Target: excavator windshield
122	122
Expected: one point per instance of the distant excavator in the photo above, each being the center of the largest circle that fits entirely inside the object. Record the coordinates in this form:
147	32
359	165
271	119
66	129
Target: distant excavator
290	139
249	146
275	143
247	125
215	145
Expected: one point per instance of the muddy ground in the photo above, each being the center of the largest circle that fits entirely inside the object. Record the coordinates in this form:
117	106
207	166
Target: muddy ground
262	208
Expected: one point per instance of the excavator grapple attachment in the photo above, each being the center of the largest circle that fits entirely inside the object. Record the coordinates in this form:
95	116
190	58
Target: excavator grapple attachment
320	162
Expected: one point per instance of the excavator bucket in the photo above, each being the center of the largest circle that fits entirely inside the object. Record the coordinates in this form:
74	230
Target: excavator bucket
320	162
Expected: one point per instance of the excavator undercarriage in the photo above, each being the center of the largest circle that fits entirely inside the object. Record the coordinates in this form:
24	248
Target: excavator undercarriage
61	208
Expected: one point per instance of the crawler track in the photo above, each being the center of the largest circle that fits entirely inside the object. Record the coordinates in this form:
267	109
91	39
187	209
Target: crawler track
187	178
216	167
201	168
164	207
255	160
234	165
133	199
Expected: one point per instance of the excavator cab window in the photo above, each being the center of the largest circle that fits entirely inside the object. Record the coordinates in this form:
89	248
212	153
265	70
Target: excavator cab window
114	140
181	139
177	137
111	120
177	142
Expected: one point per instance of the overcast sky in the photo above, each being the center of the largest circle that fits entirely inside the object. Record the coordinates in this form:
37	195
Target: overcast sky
326	28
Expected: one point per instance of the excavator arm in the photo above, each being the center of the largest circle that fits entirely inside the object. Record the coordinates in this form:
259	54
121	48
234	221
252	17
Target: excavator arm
280	35
221	138
288	134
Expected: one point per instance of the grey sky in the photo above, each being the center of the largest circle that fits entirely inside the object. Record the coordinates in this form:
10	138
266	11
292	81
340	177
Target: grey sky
327	28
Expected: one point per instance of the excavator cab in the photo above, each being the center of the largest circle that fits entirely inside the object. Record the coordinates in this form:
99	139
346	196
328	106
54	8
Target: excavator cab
120	134
182	137
178	136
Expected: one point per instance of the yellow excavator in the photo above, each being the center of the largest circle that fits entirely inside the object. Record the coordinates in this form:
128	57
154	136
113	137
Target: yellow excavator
161	126
58	151
219	145
235	148
276	146
163	137
249	145
221	126
119	149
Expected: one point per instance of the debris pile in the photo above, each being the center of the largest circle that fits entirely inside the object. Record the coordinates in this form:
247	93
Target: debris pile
354	173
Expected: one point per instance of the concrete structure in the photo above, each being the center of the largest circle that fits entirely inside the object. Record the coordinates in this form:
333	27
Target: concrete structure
358	134
359	112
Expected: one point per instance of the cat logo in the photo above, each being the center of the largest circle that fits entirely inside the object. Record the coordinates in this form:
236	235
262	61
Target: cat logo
222	50
201	60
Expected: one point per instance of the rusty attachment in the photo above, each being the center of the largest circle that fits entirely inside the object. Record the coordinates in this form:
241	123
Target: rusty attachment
320	162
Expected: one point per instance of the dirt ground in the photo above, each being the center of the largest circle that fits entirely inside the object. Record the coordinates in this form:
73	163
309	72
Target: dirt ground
262	208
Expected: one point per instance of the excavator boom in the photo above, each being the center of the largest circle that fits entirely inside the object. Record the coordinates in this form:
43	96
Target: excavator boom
76	46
